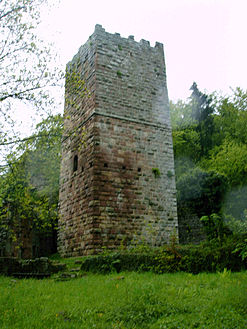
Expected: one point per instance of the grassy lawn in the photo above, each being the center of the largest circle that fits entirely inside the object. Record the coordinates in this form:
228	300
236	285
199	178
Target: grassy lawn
128	300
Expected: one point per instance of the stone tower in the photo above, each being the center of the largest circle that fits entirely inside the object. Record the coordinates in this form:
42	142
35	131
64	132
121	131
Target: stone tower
117	181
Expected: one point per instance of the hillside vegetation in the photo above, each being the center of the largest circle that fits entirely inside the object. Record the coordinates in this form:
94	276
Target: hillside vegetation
129	300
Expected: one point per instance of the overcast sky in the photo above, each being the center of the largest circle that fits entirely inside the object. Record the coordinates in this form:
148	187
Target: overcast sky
204	40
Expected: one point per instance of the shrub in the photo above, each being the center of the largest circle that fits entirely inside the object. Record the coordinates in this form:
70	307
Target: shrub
241	248
118	261
207	257
214	227
210	257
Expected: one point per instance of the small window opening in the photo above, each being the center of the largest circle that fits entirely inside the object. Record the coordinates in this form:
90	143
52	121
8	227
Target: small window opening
123	167
75	164
106	165
139	169
82	169
90	164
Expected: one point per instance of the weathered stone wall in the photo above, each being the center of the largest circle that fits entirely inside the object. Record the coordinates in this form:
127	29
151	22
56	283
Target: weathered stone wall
117	172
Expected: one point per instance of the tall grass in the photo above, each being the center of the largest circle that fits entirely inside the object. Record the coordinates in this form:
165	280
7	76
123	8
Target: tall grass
130	300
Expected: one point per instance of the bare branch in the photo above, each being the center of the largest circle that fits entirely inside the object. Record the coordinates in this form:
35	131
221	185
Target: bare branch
18	141
12	52
18	95
11	11
5	43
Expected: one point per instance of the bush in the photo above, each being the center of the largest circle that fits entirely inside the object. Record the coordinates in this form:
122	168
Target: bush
241	248
211	257
118	261
215	227
207	257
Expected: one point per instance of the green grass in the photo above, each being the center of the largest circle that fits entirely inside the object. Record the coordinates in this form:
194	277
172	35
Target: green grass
146	300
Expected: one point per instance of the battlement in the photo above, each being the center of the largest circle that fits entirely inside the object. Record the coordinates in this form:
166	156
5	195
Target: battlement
101	36
101	31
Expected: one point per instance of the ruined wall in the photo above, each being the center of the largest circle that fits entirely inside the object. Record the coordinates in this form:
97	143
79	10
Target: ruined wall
117	174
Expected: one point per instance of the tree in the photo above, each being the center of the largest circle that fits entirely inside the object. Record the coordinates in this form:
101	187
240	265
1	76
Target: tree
44	149
230	121
192	124
202	113
181	115
229	155
209	134
229	159
186	145
25	74
29	188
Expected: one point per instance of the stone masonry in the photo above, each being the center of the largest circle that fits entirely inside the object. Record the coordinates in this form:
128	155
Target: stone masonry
117	183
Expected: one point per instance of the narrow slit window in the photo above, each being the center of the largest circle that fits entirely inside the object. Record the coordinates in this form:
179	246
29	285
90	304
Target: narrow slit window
106	165
75	163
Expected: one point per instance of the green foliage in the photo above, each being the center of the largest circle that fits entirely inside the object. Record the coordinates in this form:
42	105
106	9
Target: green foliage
156	172
119	74
209	256
193	128
202	112
242	249
237	226
230	122
186	140
186	143
229	159
29	187
193	125
43	164
214	227
201	104
209	132
75	87
181	115
201	191
118	261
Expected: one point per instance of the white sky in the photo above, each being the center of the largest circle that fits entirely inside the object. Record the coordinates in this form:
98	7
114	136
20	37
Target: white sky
204	40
